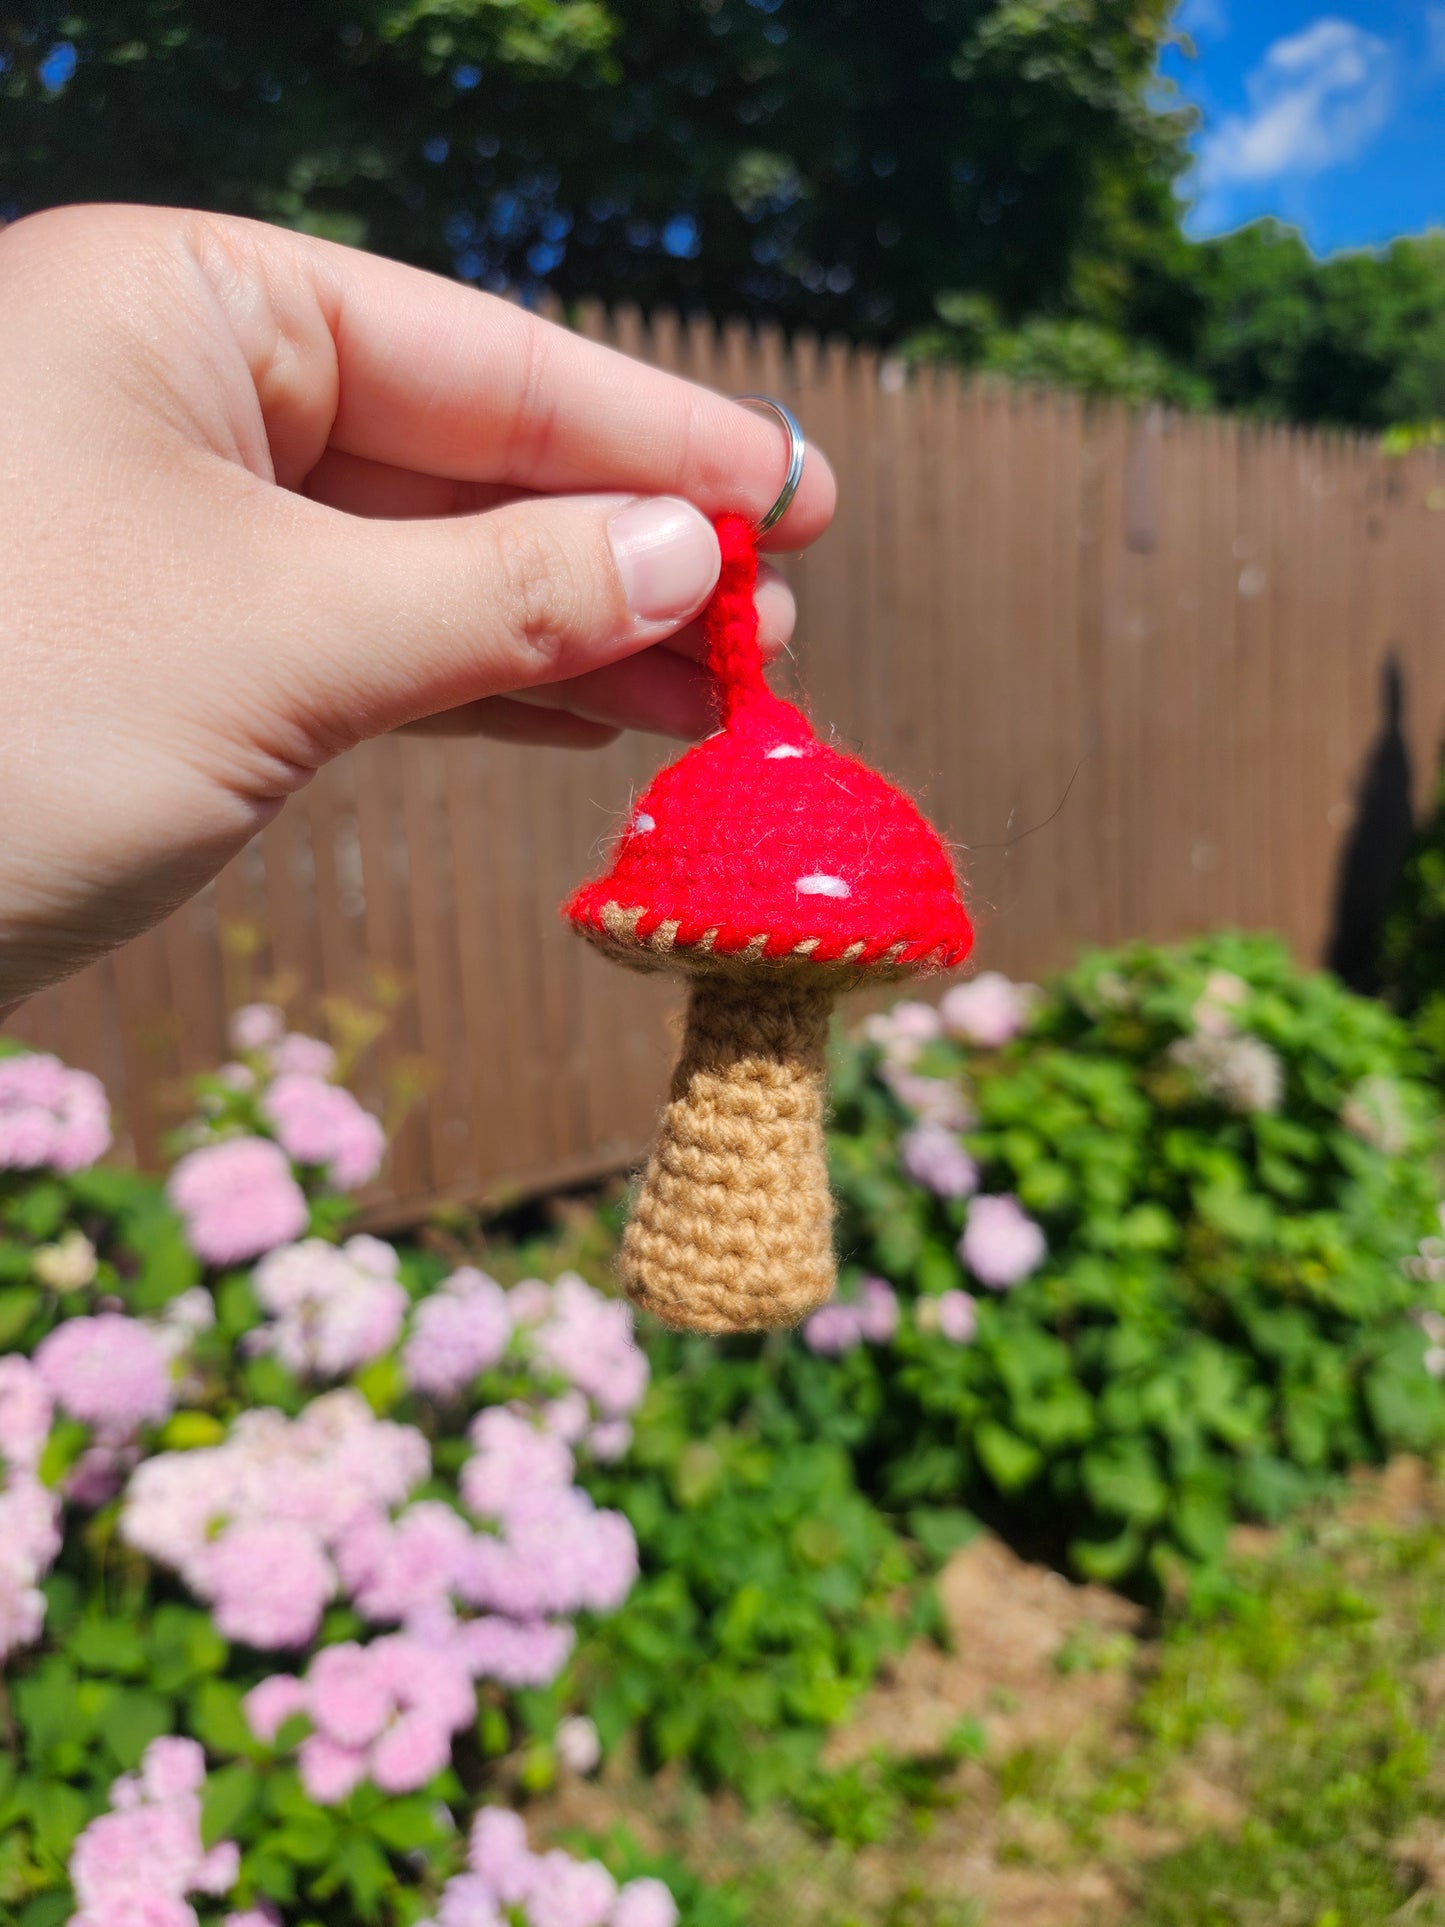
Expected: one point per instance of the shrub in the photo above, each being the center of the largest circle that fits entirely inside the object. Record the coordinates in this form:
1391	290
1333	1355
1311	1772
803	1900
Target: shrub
1186	1286
765	1605
293	1545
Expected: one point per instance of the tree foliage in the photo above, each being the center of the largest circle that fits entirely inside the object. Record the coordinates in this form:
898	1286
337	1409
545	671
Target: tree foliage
832	162
992	181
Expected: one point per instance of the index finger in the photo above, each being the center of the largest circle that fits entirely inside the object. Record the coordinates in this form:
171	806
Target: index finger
444	379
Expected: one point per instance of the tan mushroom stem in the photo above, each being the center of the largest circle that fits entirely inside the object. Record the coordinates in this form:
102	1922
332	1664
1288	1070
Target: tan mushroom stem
732	1230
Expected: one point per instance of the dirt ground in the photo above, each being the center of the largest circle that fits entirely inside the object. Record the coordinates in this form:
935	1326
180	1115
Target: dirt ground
1048	1669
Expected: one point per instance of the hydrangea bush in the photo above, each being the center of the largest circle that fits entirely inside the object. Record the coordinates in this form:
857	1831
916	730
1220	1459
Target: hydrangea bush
294	1544
1156	1233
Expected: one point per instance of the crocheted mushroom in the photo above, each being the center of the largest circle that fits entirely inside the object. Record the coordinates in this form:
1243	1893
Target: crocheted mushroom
773	871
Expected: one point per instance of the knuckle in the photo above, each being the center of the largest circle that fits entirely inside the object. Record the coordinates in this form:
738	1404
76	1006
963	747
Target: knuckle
537	591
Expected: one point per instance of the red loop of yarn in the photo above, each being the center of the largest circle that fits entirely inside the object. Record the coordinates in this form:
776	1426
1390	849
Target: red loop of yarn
730	621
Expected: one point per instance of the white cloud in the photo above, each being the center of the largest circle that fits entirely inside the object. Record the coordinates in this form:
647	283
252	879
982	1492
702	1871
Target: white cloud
1316	99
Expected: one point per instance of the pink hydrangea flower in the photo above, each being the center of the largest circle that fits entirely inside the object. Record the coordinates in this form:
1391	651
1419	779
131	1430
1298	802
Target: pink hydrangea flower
256	1027
329	1770
556	1553
578	1747
513	1455
1001	1244
988	1011
586	1339
322	1124
396	1568
25	1413
548	1890
135	1864
138	1910
515	1653
172	1766
833	1330
301	1056
570	1893
901	1033
934	1158
384	1712
267	1580
457	1332
333	1309
51	1118
645	1903
22	1608
109	1371
609	1441
498	1851
529	1302
238	1198
276	1700
844	1324
932	1100
29	1525
466	1901
319	1470
953	1315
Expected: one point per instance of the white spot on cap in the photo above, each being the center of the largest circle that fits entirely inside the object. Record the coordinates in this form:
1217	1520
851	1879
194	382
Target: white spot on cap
821	886
642	821
782	750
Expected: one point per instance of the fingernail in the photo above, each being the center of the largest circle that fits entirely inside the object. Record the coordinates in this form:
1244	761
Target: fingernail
667	558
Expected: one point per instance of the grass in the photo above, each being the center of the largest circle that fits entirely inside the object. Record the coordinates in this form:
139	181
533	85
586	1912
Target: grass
1276	1763
1314	1694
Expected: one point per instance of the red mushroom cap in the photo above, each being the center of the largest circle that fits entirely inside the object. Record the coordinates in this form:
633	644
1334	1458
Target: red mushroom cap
766	841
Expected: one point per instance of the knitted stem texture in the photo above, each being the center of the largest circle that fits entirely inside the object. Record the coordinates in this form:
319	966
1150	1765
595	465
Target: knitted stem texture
732	1230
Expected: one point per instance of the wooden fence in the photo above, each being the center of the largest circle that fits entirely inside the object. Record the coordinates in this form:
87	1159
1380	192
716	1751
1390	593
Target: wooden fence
1134	665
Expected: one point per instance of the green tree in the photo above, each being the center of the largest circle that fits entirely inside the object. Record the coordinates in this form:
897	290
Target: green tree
1357	339
833	162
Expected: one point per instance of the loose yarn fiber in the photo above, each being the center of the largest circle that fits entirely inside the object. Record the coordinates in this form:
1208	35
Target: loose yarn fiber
775	871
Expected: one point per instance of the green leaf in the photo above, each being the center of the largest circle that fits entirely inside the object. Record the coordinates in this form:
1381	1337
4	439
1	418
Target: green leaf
185	1647
407	1826
57	1813
238	1310
364	1868
67	1441
47	1706
187	1431
18	1305
382	1383
1122	1478
1109	1560
46	1910
39	1210
132	1720
217	1721
1009	1461
1201	1525
108	1646
227	1797
942	1530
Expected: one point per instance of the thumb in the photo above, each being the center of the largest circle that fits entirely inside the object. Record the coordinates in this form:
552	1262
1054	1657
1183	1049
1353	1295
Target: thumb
410	618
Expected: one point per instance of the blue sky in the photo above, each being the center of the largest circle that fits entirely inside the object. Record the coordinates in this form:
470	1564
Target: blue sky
1330	117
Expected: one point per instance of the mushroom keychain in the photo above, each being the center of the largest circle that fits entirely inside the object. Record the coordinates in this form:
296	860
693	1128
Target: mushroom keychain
773	872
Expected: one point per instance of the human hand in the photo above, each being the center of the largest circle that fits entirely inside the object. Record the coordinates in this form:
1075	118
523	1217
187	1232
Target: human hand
262	497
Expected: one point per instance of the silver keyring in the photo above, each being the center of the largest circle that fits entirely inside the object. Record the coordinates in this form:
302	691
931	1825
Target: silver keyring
797	449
